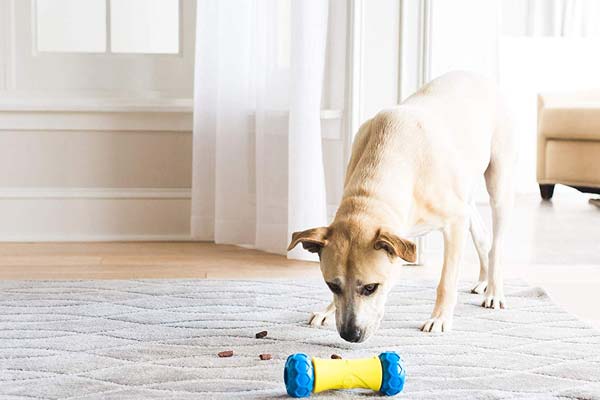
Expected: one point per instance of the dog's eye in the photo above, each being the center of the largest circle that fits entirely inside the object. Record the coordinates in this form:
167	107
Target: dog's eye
335	288
369	289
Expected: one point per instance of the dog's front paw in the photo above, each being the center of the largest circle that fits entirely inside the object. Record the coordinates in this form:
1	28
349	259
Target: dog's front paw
494	301
494	298
479	287
318	318
437	324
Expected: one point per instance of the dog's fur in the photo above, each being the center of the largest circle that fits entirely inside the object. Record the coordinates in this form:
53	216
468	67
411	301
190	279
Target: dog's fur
414	169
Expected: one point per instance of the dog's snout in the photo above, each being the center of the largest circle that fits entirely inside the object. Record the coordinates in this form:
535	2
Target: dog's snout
351	333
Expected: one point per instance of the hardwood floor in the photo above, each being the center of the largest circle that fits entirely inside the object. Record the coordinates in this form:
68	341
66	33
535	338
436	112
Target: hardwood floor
552	245
139	260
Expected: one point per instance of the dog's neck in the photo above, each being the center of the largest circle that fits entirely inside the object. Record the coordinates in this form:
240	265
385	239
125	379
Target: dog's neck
360	205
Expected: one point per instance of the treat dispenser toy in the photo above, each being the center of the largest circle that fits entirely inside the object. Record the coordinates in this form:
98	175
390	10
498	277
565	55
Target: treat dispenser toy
303	375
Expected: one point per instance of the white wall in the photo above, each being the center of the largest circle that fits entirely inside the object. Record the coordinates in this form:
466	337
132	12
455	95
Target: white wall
93	147
101	150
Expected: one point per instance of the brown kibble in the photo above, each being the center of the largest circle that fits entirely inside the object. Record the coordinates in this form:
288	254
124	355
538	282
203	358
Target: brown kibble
336	357
265	356
227	353
261	334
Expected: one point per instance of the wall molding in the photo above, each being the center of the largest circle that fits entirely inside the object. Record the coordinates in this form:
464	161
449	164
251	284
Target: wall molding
28	102
425	14
415	45
95	193
3	45
354	69
147	121
96	114
96	238
119	115
7	27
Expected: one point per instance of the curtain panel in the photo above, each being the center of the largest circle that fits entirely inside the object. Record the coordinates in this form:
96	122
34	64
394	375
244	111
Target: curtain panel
258	169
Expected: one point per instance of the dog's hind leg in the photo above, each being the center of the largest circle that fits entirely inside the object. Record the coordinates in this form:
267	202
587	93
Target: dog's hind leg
319	318
482	244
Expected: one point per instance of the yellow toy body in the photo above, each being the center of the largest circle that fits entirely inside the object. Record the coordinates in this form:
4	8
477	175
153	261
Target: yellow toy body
347	374
384	374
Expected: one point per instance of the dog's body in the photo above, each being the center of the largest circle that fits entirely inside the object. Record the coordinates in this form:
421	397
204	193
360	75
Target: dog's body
414	169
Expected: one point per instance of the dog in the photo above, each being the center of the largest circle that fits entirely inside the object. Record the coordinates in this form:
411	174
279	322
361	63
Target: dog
413	169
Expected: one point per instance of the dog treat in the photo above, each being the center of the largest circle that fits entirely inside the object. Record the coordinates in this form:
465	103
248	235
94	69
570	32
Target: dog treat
226	353
336	357
261	334
265	356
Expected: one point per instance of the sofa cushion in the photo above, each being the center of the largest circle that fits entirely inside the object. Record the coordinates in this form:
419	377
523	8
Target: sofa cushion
573	162
569	117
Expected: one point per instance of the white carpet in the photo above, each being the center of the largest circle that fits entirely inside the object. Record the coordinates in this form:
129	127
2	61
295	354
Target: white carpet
159	338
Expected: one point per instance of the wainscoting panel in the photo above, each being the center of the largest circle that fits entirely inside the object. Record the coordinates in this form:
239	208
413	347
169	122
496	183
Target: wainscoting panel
94	214
94	170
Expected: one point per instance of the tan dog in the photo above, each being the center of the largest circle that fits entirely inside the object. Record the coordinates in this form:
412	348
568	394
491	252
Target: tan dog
414	169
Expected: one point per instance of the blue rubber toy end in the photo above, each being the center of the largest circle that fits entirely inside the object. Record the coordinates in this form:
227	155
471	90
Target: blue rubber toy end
394	374
299	375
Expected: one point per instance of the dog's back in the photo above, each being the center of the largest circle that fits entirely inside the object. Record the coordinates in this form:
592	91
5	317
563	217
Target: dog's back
444	132
462	111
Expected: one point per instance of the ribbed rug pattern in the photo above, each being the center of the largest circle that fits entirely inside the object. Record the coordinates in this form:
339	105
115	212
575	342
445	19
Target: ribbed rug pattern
151	339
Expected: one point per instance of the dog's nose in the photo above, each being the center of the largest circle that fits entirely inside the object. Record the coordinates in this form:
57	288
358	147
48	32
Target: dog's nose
351	334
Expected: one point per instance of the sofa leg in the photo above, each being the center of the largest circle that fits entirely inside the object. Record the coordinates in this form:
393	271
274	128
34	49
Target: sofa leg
546	191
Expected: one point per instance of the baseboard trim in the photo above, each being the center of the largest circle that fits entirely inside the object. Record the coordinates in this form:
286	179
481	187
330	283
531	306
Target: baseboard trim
95	193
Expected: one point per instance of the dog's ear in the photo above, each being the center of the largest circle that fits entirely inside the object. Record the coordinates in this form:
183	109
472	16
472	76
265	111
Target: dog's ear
395	246
312	240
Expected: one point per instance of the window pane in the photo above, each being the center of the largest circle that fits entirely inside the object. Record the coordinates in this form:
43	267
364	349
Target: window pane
71	25
145	26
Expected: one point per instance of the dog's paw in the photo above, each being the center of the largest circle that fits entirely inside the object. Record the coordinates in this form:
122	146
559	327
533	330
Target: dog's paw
318	318
495	302
437	325
479	287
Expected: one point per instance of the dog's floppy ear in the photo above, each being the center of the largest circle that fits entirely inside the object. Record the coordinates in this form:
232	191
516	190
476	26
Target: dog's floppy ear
395	246
312	240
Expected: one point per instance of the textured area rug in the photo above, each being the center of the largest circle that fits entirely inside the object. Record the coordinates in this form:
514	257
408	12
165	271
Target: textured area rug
159	339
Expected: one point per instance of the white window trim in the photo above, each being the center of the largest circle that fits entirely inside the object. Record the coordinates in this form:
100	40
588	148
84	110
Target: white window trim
415	44
354	64
27	74
108	51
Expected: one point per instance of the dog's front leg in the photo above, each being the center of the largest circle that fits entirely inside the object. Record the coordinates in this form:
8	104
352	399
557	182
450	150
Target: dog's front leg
319	318
454	240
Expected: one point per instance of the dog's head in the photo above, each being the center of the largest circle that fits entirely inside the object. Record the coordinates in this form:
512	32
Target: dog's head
358	263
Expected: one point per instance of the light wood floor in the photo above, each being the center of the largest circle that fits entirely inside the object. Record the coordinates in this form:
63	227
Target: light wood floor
138	260
553	245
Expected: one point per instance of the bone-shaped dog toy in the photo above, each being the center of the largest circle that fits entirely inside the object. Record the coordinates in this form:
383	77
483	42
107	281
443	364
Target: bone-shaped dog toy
384	373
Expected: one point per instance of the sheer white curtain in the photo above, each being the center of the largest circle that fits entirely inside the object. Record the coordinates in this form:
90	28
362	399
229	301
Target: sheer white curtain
567	18
258	166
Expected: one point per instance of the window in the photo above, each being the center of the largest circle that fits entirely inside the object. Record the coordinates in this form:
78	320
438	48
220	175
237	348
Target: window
71	25
98	48
108	26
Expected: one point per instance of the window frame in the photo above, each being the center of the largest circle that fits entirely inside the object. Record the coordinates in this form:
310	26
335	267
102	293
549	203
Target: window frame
108	36
36	74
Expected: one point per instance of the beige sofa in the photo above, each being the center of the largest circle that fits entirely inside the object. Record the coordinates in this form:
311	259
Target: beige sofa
568	149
